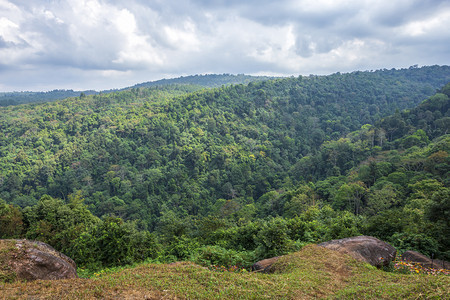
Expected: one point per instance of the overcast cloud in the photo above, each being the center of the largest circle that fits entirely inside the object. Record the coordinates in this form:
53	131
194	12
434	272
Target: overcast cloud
103	44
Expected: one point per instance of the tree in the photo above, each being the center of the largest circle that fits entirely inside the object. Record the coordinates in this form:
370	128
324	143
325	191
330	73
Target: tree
273	238
296	205
351	196
11	221
342	226
439	213
58	224
379	200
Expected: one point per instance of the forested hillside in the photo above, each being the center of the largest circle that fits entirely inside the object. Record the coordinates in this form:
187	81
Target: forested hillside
208	80
16	98
231	174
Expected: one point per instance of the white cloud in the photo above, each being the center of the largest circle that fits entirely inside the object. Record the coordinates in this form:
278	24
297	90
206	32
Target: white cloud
431	26
184	38
110	35
9	30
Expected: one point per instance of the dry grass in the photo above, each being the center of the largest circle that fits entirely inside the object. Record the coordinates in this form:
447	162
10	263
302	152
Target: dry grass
314	272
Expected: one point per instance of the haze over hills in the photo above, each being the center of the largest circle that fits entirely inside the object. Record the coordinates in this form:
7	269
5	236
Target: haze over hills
233	174
16	98
196	81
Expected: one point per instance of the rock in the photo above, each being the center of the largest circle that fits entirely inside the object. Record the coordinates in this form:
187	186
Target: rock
416	257
32	260
264	265
364	248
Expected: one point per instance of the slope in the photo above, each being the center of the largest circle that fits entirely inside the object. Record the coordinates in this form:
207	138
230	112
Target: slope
218	186
142	147
312	273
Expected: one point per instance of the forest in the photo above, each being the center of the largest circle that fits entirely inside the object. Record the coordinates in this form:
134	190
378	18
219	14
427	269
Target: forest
207	80
232	174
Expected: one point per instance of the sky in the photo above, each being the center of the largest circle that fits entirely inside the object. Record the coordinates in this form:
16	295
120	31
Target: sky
106	44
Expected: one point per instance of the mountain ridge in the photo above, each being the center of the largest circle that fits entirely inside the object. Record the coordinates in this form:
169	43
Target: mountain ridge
199	80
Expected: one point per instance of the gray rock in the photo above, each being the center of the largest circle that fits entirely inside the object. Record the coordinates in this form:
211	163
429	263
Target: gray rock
32	260
364	248
264	265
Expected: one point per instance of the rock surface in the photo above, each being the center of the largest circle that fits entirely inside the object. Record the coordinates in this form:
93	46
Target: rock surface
264	265
364	248
414	256
32	260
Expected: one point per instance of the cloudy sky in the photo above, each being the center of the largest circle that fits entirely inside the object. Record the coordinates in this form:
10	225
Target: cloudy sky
103	44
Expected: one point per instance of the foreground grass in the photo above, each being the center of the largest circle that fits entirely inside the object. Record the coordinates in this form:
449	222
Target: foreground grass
313	272
377	284
6	250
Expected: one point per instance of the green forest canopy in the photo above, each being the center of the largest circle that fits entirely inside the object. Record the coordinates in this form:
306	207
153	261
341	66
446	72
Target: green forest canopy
250	170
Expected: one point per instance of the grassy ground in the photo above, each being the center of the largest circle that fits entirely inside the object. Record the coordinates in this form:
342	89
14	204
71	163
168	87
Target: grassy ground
6	250
314	272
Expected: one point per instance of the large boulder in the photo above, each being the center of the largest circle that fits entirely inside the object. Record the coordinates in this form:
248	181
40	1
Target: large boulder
32	260
416	257
364	248
264	265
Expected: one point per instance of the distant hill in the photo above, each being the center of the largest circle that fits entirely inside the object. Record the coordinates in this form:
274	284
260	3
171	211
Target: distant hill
16	98
430	78
197	81
209	80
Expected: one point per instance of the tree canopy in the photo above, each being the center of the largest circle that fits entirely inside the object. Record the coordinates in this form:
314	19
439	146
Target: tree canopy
251	170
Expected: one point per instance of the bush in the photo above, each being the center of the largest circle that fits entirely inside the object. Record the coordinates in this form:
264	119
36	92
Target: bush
418	242
216	255
113	242
179	248
273	239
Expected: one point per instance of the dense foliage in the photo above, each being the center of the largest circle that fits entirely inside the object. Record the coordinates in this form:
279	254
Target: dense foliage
15	98
231	174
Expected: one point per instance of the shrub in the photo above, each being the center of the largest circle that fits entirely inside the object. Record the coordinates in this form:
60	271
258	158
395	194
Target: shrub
218	256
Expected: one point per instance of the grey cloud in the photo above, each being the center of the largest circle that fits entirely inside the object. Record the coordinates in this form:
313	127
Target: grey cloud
5	44
306	46
396	13
197	36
